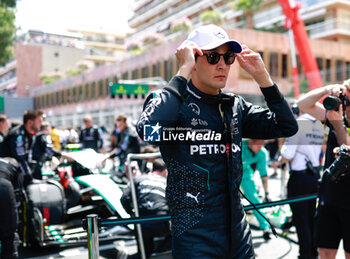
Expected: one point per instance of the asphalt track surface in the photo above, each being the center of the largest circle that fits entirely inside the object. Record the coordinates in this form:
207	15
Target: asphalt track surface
282	247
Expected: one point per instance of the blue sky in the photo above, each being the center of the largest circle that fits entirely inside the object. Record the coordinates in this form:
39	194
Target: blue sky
56	16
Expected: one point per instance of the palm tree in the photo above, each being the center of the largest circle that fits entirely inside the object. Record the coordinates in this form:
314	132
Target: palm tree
248	7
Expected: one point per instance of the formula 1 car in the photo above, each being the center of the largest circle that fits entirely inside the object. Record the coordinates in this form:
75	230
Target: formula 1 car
51	210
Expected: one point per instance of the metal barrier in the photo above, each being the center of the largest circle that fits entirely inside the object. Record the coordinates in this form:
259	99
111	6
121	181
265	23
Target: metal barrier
134	198
153	219
92	229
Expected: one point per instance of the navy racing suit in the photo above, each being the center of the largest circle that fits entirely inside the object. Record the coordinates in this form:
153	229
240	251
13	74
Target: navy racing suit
200	138
91	138
18	144
43	150
127	142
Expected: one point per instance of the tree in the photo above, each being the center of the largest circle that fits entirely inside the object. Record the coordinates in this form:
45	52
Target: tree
7	30
8	3
248	7
212	16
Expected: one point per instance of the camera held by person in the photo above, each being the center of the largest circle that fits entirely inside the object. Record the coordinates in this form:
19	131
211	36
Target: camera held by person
333	102
340	165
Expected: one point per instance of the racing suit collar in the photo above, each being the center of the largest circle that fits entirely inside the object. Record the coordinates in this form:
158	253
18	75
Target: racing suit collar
211	99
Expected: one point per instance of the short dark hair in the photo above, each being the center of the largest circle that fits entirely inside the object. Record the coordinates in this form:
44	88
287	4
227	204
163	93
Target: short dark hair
3	117
159	165
31	115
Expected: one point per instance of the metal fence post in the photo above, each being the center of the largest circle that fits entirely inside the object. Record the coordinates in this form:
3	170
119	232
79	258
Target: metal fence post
92	228
134	198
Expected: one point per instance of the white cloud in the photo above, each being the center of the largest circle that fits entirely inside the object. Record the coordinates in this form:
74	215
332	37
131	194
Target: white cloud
56	16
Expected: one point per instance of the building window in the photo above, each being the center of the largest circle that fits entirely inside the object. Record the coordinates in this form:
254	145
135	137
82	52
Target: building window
93	90
135	74
145	72
339	70
46	101
347	67
53	103
166	69
81	97
106	87
63	99
328	70
36	102
57	98
284	65
273	64
319	62
100	88
68	96
74	95
86	92
156	69
125	76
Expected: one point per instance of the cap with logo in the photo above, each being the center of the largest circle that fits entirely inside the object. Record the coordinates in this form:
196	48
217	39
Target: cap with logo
212	36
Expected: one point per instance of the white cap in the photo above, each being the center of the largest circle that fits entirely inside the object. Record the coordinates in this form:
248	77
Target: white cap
212	36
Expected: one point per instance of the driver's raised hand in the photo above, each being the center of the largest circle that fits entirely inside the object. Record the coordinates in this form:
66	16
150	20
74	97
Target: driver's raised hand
253	64
185	55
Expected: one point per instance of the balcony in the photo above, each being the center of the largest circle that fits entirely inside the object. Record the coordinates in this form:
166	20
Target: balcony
138	3
329	28
8	67
269	16
100	58
104	45
8	84
149	11
308	3
185	9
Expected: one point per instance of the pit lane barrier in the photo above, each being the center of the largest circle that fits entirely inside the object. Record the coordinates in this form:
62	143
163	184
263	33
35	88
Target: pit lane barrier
94	223
97	222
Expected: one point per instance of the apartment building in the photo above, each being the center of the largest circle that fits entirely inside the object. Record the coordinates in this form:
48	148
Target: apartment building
38	53
102	46
324	19
67	101
8	78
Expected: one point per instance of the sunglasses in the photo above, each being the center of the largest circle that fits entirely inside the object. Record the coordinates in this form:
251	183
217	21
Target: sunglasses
214	57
